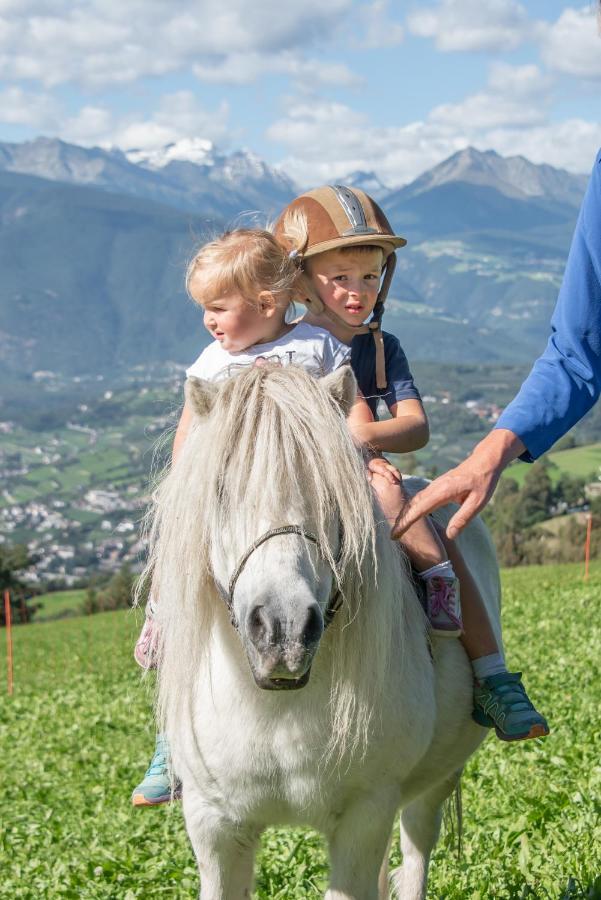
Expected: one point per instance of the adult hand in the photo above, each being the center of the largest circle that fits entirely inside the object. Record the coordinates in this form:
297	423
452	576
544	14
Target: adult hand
471	484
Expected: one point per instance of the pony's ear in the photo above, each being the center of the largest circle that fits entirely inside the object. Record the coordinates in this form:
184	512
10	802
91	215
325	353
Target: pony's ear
342	385
201	395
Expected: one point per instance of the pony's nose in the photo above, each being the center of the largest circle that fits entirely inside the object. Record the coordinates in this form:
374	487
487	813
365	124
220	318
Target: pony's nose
265	628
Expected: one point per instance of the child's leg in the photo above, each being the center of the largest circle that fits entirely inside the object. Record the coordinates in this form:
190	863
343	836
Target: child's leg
145	651
428	556
478	638
155	787
500	699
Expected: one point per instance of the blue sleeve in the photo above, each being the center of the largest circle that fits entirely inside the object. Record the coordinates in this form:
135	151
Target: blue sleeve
399	381
565	381
401	385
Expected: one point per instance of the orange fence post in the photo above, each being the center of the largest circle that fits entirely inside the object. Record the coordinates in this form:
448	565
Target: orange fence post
587	545
9	640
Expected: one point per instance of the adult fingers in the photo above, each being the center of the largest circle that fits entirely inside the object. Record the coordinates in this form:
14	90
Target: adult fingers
464	515
436	494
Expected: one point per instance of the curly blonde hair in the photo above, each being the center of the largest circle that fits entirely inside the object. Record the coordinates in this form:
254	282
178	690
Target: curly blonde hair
245	261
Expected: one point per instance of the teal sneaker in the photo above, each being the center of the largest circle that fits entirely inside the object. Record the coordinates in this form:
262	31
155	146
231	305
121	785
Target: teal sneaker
156	786
501	701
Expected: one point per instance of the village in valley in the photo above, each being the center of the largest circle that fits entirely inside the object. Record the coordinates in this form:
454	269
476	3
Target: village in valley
76	481
74	491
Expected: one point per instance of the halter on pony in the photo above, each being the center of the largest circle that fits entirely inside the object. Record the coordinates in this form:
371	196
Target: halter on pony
227	595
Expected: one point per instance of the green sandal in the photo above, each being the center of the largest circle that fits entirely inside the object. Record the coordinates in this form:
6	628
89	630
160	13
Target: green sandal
501	701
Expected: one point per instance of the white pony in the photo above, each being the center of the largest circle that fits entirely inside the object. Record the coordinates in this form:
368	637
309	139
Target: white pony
297	683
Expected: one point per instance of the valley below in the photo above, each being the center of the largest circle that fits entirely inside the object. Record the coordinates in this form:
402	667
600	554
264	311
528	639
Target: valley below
79	456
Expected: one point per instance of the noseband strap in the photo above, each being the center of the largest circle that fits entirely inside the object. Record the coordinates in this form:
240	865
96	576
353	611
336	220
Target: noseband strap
228	596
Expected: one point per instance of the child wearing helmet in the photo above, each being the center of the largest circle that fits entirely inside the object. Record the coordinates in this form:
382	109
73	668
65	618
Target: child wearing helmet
345	247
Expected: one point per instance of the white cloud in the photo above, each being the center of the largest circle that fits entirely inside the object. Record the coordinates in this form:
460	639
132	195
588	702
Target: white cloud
19	107
511	115
571	45
570	144
518	81
484	110
336	140
457	25
515	96
178	116
376	28
242	68
103	42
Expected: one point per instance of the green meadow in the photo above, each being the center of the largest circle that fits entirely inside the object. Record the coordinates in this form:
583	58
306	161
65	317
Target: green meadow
580	462
58	603
77	734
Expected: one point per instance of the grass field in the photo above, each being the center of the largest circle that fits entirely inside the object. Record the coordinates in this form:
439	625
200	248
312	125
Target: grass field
581	462
54	604
77	733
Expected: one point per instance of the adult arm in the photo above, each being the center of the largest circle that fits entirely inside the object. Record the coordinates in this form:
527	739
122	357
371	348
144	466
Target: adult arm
565	380
563	385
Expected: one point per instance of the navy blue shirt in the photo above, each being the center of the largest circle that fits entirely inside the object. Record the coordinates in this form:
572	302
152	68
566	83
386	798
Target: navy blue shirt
566	380
400	384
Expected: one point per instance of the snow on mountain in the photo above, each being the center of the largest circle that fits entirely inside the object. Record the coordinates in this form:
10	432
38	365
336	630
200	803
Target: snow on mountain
235	168
192	175
195	175
199	151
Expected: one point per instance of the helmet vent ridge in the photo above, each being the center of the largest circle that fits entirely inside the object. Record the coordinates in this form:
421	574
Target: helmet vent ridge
354	211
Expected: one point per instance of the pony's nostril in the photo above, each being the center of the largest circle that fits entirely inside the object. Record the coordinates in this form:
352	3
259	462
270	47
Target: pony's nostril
263	629
313	628
257	626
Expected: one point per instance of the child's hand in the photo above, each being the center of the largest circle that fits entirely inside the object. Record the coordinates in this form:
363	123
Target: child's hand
380	466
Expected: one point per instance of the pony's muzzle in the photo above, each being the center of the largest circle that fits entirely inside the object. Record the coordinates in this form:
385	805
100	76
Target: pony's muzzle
281	651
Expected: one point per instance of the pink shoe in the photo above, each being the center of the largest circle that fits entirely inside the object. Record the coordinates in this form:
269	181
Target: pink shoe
442	606
145	651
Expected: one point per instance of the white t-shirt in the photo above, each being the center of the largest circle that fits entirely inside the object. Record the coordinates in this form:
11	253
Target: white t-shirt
315	349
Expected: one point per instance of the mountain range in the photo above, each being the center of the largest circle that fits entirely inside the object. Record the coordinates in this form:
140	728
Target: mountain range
94	245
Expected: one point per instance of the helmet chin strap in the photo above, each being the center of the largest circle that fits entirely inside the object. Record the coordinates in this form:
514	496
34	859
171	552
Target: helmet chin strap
374	326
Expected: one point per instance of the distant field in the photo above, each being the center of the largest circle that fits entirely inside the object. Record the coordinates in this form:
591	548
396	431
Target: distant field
77	734
57	602
581	462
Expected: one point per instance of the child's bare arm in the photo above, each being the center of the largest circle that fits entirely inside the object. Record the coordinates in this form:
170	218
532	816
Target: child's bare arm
183	426
407	429
359	416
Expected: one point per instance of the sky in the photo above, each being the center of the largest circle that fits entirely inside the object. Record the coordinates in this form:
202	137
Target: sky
318	88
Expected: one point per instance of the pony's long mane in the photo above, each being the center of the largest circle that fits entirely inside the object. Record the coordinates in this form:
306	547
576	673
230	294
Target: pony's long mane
274	438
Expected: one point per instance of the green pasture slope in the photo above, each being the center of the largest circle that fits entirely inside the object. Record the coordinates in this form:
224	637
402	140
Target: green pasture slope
77	733
58	603
580	462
